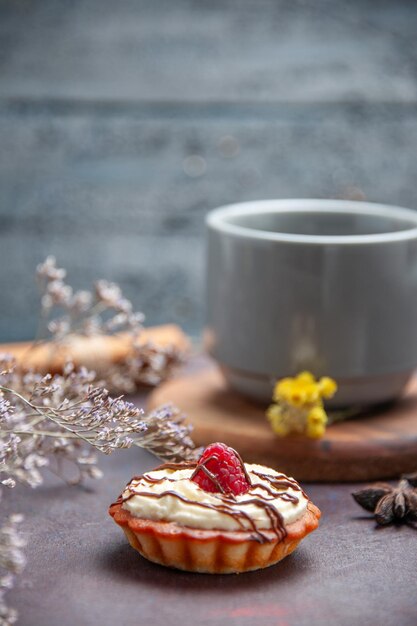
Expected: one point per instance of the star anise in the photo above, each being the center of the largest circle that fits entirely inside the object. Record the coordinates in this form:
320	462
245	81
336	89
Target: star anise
391	504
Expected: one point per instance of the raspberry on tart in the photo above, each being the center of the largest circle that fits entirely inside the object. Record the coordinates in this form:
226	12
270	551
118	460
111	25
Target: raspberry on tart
217	516
220	469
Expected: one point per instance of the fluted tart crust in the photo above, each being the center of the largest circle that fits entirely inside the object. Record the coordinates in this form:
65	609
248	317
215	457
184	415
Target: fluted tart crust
170	520
211	551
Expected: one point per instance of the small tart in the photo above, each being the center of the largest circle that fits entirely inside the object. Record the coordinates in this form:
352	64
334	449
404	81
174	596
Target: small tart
214	533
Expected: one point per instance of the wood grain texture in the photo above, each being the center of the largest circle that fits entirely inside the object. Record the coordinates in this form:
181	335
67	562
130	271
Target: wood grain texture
379	444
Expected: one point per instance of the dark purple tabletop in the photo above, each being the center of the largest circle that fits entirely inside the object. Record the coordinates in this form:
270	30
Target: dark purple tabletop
81	569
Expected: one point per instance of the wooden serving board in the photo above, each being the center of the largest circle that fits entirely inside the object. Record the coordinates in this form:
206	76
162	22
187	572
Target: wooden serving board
379	444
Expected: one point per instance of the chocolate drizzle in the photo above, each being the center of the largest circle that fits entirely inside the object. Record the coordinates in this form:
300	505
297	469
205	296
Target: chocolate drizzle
206	471
228	503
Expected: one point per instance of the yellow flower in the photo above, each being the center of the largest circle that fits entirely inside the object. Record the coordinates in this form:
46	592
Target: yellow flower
316	422
315	431
277	421
317	415
299	406
305	378
327	386
282	389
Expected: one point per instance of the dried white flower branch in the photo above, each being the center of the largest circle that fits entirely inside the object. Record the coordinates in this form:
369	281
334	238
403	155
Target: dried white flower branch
60	420
55	417
53	421
12	562
103	312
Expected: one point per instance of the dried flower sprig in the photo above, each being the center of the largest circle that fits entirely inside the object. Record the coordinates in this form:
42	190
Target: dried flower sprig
298	405
59	420
105	312
12	562
52	421
55	417
65	312
147	364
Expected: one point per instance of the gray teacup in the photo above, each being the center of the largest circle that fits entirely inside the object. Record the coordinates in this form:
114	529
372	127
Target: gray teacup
324	285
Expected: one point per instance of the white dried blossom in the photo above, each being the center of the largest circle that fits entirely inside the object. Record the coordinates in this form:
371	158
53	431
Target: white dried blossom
146	365
49	270
81	301
59	327
109	293
12	562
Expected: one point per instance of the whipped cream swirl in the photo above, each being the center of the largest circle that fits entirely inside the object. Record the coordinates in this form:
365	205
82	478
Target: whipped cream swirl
167	494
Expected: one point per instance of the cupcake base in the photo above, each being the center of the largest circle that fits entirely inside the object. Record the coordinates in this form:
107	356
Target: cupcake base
211	551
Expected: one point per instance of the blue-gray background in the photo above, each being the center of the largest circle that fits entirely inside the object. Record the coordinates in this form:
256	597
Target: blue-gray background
123	122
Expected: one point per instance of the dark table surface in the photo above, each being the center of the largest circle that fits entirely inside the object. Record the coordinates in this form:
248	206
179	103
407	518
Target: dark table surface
81	569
